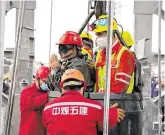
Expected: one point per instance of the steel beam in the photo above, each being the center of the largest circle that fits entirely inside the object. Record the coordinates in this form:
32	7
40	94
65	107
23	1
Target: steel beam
2	26
25	63
24	68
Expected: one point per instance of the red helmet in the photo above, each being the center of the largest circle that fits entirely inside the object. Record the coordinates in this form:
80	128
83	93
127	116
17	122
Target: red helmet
43	72
71	38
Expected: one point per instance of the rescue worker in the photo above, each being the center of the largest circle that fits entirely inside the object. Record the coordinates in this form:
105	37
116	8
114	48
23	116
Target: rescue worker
87	50
154	87
87	45
70	46
72	113
123	61
138	81
32	101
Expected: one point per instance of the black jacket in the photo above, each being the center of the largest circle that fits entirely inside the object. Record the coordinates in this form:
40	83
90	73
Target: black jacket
79	63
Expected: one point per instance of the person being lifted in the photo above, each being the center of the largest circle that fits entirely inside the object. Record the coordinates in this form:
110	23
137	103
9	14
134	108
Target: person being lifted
72	113
69	47
123	61
32	101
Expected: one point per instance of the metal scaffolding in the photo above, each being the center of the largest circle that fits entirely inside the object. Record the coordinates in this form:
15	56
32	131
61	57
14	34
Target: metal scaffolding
14	81
110	5
159	66
2	26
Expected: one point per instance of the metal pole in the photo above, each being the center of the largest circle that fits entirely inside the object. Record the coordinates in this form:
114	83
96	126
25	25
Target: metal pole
159	65
86	21
108	67
13	85
51	16
2	29
89	7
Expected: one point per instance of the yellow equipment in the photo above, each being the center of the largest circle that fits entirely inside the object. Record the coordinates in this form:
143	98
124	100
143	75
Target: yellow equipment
126	35
101	24
86	35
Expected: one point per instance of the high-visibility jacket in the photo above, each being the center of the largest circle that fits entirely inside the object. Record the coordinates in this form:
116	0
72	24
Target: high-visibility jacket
87	52
89	56
122	70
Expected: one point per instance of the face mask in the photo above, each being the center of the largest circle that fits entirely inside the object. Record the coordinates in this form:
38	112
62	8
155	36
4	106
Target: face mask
44	87
101	42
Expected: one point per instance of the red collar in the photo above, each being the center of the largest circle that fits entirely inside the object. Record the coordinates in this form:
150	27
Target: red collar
34	86
71	92
89	51
116	46
102	60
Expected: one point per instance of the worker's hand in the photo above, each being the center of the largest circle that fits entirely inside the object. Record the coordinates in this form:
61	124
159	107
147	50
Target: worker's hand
120	113
54	62
115	105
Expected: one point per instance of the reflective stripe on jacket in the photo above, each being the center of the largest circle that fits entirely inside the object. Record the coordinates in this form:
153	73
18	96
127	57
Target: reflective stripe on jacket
122	70
87	52
73	114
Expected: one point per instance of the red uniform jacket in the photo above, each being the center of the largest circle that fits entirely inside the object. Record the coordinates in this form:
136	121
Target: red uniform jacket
73	114
32	102
120	75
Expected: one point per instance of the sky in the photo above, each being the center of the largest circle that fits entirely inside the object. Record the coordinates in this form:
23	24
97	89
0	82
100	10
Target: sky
66	16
